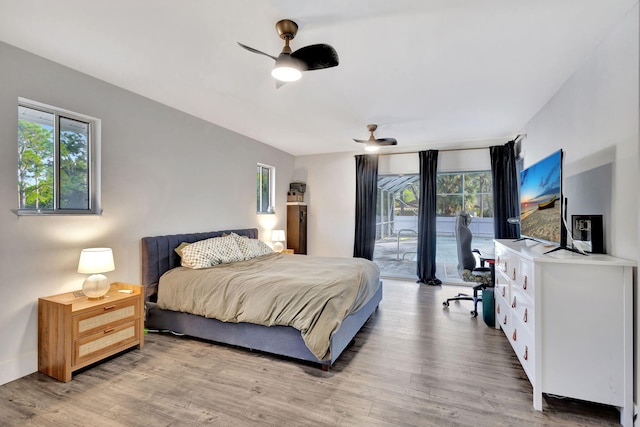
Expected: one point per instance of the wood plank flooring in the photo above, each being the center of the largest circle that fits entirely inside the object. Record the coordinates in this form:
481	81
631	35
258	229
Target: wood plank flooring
413	364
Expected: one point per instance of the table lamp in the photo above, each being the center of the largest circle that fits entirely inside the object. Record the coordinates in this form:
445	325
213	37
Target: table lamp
95	261
277	237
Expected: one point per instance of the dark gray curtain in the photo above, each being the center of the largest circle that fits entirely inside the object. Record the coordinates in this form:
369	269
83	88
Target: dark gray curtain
505	190
427	218
366	198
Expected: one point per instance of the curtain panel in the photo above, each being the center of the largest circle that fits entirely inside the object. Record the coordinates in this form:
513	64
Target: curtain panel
427	218
366	200
505	190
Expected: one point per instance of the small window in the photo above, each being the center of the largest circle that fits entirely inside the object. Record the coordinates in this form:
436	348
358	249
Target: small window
265	189
57	161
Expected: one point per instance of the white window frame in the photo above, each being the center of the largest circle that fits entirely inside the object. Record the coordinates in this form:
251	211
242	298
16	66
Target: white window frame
270	189
93	161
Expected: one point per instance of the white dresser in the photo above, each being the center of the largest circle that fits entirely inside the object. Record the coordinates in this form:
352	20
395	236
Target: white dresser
569	319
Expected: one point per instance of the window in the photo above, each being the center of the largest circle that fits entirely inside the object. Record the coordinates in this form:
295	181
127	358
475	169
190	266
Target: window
468	191
57	158
265	188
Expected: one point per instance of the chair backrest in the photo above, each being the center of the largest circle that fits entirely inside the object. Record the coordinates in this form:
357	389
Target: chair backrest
466	259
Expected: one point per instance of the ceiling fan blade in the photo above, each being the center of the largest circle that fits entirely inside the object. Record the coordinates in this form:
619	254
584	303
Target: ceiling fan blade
387	141
317	56
250	49
360	140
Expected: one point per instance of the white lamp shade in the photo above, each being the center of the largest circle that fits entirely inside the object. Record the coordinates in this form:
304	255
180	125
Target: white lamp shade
96	260
277	236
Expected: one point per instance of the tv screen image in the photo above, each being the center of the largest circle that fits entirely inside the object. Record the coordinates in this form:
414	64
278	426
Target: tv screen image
541	200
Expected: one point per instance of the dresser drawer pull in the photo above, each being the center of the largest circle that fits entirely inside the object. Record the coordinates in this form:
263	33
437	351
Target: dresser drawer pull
526	315
524	284
514	274
110	307
504	322
503	291
515	335
498	309
106	331
513	304
526	352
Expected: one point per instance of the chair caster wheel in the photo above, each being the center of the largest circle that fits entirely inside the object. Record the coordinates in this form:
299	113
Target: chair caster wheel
474	313
445	304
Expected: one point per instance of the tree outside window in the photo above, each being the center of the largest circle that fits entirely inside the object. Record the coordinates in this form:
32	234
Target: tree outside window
54	166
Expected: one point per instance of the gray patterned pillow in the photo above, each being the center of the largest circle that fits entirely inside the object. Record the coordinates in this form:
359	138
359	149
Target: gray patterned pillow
214	251
257	248
251	248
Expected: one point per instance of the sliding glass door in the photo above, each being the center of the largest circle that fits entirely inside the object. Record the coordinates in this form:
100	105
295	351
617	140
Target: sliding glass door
397	221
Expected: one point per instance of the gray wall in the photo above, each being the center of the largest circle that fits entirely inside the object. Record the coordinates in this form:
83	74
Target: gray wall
163	172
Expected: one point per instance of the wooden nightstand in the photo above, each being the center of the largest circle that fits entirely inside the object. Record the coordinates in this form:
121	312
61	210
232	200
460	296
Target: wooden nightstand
74	332
287	251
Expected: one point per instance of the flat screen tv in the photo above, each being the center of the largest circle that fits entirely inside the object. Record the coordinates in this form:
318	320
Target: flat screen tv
541	207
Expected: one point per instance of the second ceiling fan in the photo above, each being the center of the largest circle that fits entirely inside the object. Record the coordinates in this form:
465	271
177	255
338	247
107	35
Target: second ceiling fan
289	65
373	143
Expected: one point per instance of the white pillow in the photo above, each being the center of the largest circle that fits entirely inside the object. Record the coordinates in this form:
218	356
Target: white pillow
214	251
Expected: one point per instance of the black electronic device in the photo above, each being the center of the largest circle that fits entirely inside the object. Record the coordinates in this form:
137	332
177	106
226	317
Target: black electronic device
588	233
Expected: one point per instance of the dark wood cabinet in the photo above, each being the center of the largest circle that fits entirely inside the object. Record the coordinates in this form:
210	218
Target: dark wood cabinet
297	228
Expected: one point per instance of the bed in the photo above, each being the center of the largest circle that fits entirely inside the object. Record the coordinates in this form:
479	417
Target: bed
159	256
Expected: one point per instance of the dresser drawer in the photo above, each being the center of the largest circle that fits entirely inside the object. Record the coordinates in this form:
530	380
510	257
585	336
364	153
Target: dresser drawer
502	288
522	341
501	259
95	346
522	308
524	277
105	317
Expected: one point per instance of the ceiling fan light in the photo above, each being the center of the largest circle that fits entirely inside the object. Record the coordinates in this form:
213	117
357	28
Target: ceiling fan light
371	146
286	73
287	69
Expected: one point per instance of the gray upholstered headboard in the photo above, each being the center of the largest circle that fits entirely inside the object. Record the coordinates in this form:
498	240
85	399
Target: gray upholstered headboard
158	254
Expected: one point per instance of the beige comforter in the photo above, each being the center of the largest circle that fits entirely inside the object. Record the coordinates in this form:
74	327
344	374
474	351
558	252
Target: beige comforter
312	294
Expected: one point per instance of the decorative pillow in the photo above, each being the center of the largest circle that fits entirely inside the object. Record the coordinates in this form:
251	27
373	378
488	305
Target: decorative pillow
256	248
242	242
214	251
180	247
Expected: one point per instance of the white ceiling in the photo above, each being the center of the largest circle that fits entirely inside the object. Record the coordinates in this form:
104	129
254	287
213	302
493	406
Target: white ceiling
432	73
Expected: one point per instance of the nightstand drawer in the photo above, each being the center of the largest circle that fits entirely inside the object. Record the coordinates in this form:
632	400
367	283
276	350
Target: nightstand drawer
105	317
97	345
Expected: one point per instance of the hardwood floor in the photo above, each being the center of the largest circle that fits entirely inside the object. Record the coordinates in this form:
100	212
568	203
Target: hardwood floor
413	364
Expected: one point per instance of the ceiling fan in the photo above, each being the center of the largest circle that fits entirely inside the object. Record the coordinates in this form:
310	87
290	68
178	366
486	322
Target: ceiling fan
373	143
289	65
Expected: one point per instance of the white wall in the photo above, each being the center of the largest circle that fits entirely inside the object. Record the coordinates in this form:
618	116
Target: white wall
594	118
163	172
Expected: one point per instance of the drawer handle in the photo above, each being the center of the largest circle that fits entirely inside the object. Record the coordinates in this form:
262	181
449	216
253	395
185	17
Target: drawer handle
505	266
498	309
503	291
514	274
524	285
109	307
526	352
504	322
526	315
515	335
513	304
106	331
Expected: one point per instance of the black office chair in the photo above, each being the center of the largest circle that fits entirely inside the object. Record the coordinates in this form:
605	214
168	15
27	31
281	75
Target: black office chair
472	267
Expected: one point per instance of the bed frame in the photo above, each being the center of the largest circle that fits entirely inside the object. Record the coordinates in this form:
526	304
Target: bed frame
159	256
